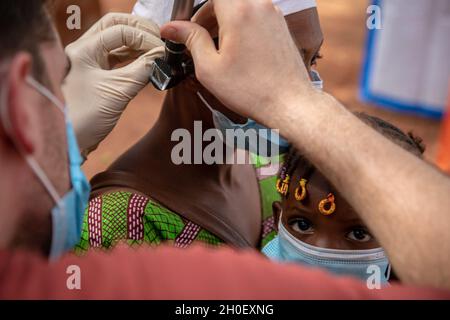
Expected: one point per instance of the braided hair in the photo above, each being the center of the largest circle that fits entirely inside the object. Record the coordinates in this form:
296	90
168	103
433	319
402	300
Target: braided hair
294	159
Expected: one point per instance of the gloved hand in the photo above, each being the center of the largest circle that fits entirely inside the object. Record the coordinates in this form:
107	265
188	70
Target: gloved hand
97	93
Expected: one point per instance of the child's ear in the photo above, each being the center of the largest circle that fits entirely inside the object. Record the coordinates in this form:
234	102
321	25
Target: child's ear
276	210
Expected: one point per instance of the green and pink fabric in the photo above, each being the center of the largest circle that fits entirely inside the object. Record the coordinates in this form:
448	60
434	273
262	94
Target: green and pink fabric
136	219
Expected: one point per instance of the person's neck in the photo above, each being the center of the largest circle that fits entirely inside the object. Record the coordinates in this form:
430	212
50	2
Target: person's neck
183	109
213	196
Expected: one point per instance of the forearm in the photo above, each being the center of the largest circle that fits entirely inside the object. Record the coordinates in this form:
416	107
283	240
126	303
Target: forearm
399	188
206	274
404	201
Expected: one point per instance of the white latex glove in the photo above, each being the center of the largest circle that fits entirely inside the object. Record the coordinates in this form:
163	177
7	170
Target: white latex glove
95	93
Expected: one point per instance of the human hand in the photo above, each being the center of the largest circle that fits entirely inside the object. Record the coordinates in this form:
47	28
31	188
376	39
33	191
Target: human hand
96	92
261	70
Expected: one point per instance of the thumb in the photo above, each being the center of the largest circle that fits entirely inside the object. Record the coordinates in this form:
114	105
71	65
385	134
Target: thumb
139	70
196	38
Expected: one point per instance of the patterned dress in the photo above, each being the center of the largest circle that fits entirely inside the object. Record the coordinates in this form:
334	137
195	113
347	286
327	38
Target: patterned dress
136	219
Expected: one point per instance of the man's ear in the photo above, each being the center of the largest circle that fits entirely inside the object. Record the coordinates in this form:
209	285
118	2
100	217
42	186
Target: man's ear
276	210
19	101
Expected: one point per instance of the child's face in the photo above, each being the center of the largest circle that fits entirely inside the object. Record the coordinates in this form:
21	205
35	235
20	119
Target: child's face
341	230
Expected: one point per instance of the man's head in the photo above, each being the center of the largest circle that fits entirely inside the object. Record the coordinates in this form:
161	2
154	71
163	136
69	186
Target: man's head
30	125
343	229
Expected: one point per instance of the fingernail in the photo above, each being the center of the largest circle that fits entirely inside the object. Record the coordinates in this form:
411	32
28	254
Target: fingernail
170	32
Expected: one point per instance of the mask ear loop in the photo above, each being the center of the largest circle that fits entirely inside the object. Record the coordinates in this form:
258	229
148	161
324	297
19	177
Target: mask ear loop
57	241
31	161
213	111
279	221
205	102
35	167
46	93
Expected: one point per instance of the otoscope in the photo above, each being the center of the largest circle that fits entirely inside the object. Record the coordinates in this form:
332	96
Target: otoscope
167	72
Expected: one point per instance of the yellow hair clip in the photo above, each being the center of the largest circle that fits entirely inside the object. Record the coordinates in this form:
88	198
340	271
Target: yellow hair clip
300	196
328	202
283	186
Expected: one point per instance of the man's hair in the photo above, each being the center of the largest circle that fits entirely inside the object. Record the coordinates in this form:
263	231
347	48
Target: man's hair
24	25
409	142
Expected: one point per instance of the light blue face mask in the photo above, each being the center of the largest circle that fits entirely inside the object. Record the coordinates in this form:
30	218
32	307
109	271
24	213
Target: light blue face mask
67	218
270	138
67	214
358	263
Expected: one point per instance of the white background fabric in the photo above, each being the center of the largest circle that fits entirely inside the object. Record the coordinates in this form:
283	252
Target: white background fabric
410	60
160	11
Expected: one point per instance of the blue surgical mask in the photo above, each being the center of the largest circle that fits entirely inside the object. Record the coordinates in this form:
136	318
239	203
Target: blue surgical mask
270	138
67	214
358	263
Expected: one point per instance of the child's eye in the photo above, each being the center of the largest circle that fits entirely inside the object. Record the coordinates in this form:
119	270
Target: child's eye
301	225
359	235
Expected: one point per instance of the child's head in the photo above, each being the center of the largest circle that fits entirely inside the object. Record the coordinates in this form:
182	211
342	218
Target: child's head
314	212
